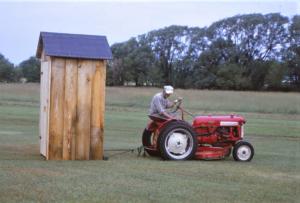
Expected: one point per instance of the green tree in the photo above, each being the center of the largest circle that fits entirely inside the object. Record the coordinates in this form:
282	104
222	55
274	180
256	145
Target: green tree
255	36
251	41
292	57
275	76
7	73
196	43
209	62
30	69
138	61
132	62
168	45
259	71
241	52
116	73
230	77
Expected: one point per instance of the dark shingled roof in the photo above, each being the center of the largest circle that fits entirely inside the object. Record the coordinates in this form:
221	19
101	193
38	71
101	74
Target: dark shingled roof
73	46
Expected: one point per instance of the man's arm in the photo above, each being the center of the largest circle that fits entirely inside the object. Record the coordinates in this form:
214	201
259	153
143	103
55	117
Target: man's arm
161	109
176	101
166	115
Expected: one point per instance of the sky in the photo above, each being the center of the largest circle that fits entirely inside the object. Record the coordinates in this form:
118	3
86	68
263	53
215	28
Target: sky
22	21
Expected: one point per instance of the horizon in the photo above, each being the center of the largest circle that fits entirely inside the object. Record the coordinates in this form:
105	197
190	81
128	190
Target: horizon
120	20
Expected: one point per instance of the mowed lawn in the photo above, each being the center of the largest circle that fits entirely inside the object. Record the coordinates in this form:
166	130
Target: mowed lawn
273	127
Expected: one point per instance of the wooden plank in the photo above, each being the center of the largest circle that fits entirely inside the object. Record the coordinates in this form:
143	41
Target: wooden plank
98	108
70	104
43	112
48	105
56	109
86	69
44	106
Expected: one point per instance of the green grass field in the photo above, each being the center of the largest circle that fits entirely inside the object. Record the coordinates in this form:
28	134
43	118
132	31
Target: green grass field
273	127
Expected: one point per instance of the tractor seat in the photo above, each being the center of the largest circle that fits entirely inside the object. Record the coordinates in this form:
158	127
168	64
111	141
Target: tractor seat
157	118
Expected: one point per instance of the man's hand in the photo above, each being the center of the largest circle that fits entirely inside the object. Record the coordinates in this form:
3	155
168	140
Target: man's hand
179	99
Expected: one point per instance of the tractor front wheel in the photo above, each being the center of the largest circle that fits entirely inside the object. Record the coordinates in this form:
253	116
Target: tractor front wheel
177	141
243	151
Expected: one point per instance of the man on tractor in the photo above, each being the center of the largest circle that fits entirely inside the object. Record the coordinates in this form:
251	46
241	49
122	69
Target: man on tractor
208	137
160	103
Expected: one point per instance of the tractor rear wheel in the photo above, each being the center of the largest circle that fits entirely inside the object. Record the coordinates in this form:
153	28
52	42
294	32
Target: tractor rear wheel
177	141
147	143
243	151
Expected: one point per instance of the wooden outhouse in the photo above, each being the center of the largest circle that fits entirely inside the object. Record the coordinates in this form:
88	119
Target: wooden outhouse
72	97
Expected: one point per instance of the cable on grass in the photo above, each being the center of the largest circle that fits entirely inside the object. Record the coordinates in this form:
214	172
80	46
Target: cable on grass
139	151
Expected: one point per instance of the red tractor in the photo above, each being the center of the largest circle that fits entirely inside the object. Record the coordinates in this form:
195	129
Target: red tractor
208	137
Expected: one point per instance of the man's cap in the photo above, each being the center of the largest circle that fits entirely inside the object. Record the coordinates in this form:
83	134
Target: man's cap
168	89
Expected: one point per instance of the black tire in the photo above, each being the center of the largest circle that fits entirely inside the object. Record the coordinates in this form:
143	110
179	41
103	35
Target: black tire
243	151
182	135
147	142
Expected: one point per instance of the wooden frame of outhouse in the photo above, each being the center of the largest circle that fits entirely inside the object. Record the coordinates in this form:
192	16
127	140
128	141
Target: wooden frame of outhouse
72	95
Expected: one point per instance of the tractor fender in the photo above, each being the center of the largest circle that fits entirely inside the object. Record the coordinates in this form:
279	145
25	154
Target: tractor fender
165	124
241	140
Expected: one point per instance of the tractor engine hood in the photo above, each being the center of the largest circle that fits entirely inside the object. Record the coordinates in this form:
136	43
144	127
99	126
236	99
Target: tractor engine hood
218	120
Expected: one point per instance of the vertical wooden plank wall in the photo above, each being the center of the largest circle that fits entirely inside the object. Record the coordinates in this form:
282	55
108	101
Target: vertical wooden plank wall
77	109
70	111
98	106
44	104
43	108
86	71
56	124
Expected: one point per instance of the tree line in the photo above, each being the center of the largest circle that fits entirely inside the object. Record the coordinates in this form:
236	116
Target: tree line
243	52
26	71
